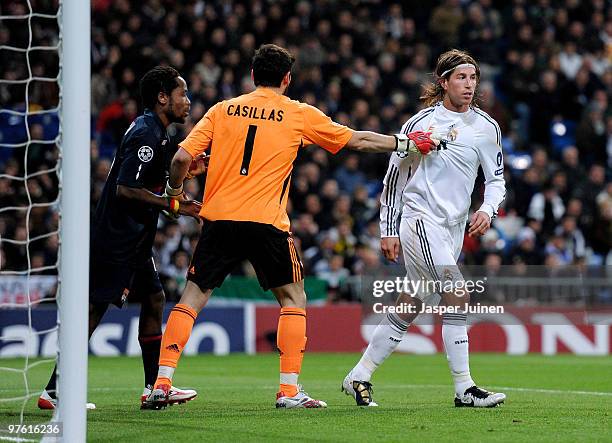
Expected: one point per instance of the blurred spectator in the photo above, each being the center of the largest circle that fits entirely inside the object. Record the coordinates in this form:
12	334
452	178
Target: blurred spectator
547	207
574	240
569	59
546	105
525	251
591	136
348	175
574	171
334	273
175	274
306	230
445	22
557	251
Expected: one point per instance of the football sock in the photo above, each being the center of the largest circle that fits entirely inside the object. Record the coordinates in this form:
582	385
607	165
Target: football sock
178	330
163	381
387	335
149	346
455	337
291	343
51	385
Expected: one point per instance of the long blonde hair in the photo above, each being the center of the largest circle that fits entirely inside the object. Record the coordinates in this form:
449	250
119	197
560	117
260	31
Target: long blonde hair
434	92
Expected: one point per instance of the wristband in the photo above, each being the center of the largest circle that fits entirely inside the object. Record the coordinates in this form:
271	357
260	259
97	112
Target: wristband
412	147
173	204
401	142
174	192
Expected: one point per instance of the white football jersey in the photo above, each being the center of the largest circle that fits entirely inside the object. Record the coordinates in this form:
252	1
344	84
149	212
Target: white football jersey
439	185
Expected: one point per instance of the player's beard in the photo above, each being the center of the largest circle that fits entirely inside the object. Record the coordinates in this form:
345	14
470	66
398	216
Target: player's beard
172	116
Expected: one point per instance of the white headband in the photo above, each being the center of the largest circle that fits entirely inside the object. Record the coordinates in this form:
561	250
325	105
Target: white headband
465	65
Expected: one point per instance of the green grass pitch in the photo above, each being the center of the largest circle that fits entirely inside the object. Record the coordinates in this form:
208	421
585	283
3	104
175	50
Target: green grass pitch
561	398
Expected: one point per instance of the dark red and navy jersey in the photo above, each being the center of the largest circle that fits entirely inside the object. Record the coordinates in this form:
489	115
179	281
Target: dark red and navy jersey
123	230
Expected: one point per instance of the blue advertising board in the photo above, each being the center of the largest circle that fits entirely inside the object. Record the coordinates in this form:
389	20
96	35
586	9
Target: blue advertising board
218	330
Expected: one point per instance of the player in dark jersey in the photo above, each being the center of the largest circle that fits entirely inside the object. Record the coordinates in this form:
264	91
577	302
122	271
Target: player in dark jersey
125	222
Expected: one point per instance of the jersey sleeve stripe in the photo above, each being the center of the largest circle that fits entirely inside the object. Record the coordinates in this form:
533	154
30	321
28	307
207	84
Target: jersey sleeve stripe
493	122
394	221
394	185
417	118
391	187
393	228
391	177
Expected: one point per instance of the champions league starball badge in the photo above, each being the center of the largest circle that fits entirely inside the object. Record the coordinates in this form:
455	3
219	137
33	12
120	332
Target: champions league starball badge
145	154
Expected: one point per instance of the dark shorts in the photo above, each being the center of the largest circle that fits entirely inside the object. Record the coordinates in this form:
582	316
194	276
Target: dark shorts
116	284
224	244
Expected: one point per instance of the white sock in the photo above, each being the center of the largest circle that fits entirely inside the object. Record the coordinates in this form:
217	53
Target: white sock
387	335
289	378
166	372
454	335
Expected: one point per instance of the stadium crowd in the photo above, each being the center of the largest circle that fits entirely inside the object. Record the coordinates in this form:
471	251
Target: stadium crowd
546	78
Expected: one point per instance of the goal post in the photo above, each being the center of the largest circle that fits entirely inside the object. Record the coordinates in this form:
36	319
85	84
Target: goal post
75	123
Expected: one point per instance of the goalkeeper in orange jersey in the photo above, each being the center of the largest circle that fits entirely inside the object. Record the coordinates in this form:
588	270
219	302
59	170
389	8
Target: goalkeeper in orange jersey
253	141
125	222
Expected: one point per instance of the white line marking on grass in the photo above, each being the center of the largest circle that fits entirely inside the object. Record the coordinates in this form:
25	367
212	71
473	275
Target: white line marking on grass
508	388
387	385
555	391
15	439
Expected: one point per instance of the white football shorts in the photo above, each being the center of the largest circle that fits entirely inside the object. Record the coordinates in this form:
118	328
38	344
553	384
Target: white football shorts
430	253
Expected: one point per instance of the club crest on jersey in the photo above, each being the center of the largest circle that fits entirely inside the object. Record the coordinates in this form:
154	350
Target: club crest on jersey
451	135
145	154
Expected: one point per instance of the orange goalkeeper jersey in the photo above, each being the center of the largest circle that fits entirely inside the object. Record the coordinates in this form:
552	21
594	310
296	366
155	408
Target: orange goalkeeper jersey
253	140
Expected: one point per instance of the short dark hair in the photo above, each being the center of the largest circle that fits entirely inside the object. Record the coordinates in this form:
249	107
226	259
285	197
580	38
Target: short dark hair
270	64
159	79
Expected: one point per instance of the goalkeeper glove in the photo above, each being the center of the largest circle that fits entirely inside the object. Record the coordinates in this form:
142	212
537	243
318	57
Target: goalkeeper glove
417	141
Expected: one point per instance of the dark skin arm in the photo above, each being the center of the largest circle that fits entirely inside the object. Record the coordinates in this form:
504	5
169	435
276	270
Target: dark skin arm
143	195
187	207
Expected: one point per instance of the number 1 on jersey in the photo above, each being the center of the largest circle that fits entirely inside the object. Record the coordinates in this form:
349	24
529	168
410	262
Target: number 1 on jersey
248	150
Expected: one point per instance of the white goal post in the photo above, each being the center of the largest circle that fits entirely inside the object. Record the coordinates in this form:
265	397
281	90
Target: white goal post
75	25
20	114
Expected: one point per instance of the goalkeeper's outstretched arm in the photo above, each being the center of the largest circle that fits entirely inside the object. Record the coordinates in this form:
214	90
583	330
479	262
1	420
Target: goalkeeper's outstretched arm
367	141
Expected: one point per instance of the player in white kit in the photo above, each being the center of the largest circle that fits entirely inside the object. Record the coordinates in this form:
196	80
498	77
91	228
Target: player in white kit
432	193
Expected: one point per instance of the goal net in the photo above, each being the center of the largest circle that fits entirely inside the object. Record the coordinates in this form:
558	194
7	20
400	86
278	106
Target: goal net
44	214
